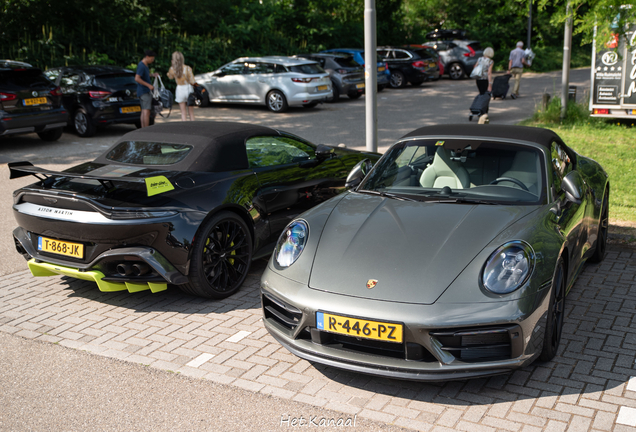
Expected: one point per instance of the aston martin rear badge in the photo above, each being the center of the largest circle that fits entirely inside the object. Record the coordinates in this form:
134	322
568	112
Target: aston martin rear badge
371	283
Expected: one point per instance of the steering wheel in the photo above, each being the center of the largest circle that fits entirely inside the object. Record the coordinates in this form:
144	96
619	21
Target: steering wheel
512	180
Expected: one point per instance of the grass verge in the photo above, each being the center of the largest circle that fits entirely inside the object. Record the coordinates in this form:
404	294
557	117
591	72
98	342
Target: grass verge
610	143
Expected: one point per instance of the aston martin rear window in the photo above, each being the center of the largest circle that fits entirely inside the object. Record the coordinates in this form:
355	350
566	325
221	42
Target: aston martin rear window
148	153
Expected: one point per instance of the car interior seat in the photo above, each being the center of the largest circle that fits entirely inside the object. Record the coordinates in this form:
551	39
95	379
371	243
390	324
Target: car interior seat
445	172
526	168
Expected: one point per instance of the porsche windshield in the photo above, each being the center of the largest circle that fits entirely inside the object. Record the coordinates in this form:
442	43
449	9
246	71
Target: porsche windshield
459	171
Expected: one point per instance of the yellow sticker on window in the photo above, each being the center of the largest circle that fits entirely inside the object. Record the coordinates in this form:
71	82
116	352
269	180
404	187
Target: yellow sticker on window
439	143
157	185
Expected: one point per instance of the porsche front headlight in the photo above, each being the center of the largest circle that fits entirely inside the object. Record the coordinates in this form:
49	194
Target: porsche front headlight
291	243
508	268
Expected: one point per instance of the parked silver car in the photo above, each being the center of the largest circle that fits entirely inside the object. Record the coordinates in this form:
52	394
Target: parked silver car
458	56
277	82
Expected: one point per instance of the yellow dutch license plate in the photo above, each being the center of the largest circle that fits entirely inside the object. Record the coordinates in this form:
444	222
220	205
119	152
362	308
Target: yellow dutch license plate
381	69
322	88
362	328
60	247
131	109
359	85
34	101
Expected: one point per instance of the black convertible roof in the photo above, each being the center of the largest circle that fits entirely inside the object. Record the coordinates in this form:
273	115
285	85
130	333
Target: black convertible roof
217	146
540	136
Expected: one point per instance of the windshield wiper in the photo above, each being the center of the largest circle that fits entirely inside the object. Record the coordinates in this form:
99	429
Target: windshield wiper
388	195
460	201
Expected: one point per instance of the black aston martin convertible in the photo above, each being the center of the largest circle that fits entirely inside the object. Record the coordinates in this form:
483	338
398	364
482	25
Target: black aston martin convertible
189	204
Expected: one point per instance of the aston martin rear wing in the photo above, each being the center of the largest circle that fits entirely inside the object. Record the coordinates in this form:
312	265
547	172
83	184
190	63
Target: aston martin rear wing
154	184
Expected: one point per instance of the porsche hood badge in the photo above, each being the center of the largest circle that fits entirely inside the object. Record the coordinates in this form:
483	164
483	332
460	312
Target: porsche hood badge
371	283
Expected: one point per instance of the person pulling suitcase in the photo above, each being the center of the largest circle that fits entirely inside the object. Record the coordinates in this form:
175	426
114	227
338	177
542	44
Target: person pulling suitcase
482	72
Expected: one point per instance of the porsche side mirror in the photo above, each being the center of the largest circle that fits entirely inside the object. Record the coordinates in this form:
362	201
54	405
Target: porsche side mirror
572	185
324	152
219	74
357	173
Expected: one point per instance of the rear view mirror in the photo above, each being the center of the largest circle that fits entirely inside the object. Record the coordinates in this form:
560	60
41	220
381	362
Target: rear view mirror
324	152
358	173
572	186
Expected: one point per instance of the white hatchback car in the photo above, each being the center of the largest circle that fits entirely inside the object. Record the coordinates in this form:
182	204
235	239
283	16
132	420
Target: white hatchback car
278	82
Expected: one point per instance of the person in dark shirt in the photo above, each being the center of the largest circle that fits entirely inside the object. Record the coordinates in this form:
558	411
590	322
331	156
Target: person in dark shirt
144	88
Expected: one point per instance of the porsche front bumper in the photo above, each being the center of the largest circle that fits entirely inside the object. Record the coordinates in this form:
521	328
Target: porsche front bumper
432	349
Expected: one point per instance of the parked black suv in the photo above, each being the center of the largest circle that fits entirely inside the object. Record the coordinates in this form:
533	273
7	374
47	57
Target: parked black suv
347	76
29	102
414	65
98	96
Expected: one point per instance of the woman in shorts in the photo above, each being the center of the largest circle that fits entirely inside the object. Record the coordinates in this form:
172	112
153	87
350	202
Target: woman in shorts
184	77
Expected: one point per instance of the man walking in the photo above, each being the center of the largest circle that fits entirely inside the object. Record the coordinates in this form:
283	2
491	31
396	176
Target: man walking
142	77
516	63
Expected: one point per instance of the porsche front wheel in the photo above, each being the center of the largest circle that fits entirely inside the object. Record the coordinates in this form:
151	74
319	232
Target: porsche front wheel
556	313
221	257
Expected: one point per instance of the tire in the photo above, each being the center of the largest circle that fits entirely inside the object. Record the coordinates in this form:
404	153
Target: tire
603	227
310	105
381	87
51	135
355	95
83	124
276	101
336	94
456	71
398	80
556	313
221	257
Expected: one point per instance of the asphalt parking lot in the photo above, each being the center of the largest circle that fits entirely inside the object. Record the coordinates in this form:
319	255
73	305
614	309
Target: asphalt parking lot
222	345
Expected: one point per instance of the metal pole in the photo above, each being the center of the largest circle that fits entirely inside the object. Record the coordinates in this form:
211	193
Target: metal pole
371	75
565	76
529	22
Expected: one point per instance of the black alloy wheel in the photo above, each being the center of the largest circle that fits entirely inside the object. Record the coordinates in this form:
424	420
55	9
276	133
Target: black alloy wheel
556	313
51	135
455	71
83	124
221	257
603	228
398	80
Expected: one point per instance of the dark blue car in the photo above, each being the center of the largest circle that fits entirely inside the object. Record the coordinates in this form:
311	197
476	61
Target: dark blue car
358	55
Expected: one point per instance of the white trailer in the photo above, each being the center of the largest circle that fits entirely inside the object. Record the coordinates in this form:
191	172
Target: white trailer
613	80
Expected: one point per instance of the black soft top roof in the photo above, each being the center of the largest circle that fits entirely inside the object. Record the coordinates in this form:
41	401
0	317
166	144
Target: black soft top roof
217	146
539	136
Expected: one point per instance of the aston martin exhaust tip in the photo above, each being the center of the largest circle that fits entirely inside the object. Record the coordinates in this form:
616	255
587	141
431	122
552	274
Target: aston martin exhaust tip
140	269
124	269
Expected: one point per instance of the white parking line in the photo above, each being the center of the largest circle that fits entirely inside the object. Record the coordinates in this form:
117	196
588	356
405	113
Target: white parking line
200	360
237	337
631	384
627	416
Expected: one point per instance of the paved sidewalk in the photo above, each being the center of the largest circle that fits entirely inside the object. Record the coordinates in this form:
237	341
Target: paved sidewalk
589	386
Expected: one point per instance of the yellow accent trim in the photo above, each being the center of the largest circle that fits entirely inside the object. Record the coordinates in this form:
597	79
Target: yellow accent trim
40	269
158	184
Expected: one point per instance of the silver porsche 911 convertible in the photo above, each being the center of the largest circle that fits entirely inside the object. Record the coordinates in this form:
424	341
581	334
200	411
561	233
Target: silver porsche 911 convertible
450	258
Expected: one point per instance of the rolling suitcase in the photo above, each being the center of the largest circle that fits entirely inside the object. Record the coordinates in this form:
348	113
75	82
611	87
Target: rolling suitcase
480	105
500	86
